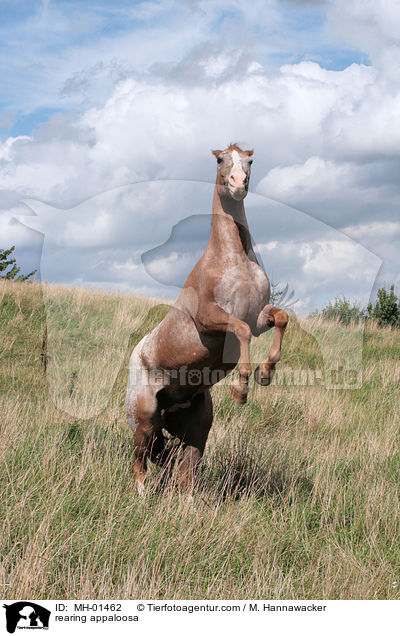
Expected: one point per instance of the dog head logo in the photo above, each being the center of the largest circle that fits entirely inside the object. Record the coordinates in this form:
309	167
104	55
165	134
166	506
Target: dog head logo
26	615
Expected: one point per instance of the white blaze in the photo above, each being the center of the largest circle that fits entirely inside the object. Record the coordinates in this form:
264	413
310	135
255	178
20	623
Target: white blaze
237	173
237	162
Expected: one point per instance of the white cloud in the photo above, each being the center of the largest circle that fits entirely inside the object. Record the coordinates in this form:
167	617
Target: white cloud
375	230
8	146
300	180
322	259
313	268
372	25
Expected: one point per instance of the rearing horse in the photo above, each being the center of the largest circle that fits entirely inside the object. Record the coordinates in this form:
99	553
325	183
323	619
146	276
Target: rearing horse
223	302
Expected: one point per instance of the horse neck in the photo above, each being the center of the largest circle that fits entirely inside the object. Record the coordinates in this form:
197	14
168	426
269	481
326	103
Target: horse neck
229	228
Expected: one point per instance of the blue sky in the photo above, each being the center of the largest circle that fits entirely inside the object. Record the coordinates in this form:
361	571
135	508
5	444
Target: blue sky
99	95
44	42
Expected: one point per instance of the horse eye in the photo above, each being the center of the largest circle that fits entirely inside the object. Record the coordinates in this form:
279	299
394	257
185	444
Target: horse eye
219	160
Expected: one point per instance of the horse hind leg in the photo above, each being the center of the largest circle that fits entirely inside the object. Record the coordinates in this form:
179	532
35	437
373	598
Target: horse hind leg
144	417
268	318
192	425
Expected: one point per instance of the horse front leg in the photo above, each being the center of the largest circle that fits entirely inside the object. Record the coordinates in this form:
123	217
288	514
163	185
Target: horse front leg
240	385
214	318
271	317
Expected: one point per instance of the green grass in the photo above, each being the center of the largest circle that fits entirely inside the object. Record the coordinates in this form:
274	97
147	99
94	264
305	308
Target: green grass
297	496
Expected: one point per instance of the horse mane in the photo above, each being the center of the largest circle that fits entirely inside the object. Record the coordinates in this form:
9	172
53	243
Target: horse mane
234	145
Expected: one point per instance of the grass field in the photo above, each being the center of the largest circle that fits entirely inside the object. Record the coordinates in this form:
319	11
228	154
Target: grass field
298	495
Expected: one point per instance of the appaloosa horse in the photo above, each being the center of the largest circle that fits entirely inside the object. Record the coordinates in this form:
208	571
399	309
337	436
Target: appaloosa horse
223	302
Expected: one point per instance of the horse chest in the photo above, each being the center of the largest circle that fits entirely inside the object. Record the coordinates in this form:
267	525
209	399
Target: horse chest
243	291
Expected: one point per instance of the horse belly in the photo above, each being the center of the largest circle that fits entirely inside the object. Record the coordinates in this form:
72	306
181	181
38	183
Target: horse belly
176	343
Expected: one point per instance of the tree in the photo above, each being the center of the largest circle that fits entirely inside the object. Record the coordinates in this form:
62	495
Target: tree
5	262
386	310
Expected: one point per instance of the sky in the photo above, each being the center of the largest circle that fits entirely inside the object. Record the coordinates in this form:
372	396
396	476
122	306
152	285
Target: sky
109	110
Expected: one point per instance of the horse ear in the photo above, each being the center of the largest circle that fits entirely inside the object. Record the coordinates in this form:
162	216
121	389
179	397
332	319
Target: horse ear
216	153
249	152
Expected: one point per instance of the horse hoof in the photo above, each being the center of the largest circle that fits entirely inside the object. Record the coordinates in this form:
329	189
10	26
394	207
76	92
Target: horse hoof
263	380
238	396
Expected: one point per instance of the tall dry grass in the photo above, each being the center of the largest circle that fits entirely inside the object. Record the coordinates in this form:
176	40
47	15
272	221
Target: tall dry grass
298	495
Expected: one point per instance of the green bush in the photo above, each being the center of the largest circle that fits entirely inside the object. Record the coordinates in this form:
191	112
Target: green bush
342	310
386	310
